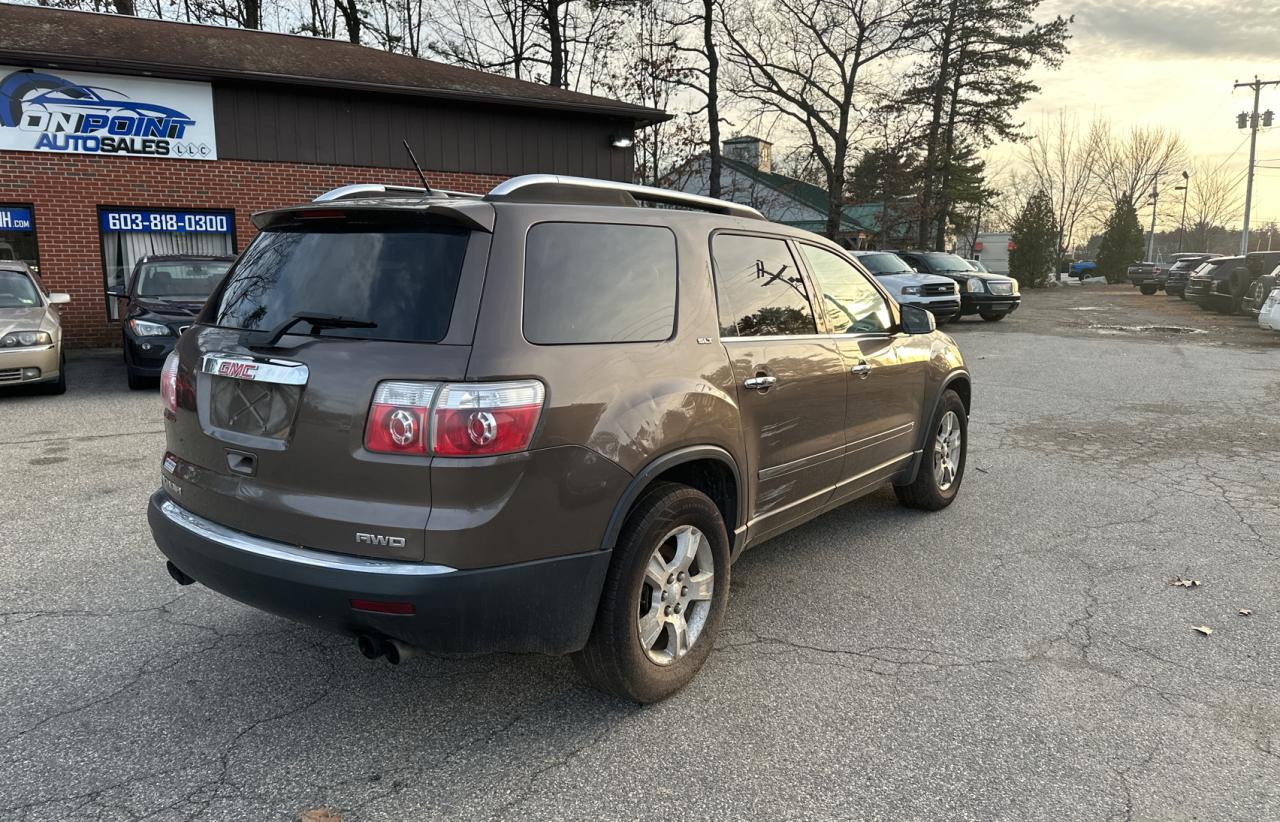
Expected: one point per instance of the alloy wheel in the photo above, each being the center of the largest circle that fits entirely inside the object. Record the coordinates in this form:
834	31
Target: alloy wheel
675	595
947	451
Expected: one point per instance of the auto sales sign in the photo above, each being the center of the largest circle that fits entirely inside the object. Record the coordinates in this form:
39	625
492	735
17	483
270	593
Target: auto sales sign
76	113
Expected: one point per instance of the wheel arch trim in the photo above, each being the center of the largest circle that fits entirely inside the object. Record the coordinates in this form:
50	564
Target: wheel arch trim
660	465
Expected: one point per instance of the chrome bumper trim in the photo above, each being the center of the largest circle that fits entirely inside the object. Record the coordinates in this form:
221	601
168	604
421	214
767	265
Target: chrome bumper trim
270	549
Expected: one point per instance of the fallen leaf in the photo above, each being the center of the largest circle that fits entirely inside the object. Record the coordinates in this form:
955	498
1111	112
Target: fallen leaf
321	815
1245	612
1204	629
1179	582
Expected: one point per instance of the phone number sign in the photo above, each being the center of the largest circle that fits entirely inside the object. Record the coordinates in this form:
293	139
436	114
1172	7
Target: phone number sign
180	222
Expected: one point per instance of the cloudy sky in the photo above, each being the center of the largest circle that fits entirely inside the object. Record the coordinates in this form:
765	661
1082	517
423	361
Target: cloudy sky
1174	62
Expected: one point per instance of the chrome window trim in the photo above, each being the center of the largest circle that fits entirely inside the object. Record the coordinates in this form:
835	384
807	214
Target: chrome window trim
271	549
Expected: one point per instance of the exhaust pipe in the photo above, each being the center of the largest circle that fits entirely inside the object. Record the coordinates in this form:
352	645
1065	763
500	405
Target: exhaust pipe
369	647
176	573
398	652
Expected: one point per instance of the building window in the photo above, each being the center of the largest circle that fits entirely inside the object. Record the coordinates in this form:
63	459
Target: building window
18	234
129	234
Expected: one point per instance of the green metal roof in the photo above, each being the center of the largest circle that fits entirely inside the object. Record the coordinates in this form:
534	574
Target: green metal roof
854	217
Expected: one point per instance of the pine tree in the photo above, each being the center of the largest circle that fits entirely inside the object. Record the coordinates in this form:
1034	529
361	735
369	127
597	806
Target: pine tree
1121	242
1035	242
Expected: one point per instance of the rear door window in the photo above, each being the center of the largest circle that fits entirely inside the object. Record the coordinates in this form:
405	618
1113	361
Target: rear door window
402	279
599	283
759	289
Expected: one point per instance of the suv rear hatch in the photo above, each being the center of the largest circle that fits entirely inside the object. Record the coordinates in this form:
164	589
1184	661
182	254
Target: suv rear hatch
276	379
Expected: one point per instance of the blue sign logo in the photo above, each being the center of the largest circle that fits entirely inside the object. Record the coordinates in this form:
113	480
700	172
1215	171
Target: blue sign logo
178	222
16	219
51	113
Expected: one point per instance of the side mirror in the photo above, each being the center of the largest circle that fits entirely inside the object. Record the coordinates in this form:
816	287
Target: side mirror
59	298
915	320
116	291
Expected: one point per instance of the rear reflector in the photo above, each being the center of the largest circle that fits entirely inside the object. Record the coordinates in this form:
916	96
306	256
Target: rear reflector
379	607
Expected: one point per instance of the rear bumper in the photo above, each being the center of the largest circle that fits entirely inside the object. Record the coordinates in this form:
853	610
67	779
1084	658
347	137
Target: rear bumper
547	606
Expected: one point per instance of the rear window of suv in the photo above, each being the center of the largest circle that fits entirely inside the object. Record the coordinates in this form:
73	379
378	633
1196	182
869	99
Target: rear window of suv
598	283
402	278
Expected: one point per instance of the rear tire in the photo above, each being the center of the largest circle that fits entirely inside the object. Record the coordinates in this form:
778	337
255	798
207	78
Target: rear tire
642	588
942	465
1147	289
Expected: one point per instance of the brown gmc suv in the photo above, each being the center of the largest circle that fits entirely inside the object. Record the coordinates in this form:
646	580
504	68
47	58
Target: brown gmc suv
547	419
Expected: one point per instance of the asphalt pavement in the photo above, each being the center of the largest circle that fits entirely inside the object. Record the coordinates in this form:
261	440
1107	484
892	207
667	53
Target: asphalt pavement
1021	655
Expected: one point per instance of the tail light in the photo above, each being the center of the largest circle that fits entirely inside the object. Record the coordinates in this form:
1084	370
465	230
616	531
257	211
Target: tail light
169	383
399	417
473	419
453	420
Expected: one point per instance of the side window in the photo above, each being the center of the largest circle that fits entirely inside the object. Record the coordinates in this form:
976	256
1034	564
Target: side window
597	283
852	304
759	288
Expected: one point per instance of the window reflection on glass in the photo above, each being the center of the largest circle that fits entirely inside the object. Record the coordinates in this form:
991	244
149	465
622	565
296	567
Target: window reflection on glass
851	303
759	289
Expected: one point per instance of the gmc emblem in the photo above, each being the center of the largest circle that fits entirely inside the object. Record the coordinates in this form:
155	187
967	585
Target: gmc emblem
238	370
379	539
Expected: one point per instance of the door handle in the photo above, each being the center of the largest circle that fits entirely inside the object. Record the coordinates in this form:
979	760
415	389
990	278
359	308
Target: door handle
759	383
862	370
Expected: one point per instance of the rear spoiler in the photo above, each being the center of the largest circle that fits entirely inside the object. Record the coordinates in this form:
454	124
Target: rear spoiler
471	214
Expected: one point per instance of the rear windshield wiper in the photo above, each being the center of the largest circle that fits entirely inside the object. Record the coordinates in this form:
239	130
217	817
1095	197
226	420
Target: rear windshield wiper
269	338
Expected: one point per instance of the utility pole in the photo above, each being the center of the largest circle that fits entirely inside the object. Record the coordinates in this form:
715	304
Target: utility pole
1182	224
1155	197
1252	125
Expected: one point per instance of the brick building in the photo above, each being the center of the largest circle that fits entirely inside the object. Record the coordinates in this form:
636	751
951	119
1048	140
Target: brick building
122	136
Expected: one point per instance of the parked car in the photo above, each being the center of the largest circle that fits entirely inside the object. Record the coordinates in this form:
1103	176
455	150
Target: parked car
991	296
938	295
1210	285
469	425
30	330
1083	269
1259	291
1174	278
161	299
1145	277
1269	314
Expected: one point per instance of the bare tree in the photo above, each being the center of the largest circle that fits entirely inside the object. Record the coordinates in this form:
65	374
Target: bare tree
804	60
489	35
1128	165
1213	200
702	74
1062	161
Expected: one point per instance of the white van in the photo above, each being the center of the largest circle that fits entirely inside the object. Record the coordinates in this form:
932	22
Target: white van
992	250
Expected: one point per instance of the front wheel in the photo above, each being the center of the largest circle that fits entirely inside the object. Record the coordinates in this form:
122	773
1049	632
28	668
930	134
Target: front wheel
664	597
942	464
992	316
60	386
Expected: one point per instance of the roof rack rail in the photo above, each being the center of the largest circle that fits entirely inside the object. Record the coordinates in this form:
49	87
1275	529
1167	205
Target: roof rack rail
559	188
362	190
